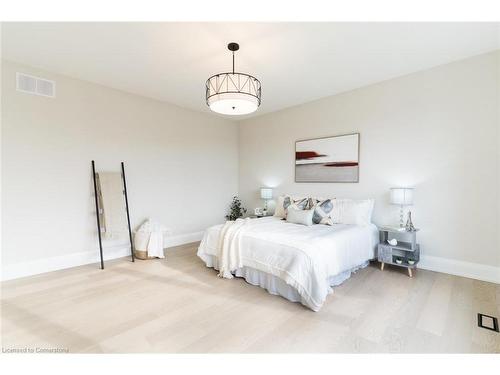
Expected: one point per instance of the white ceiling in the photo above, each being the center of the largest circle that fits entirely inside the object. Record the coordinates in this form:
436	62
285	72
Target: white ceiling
296	62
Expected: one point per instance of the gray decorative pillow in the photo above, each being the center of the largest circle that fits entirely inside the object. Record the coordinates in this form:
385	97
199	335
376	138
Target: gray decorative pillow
322	211
301	204
298	216
287	201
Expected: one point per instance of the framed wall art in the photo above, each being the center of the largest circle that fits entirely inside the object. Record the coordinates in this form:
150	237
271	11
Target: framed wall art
329	159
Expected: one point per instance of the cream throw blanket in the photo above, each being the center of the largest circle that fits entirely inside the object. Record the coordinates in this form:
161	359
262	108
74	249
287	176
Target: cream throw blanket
229	247
114	214
149	237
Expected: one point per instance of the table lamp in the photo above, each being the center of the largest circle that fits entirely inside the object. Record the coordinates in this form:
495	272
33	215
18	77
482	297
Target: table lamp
266	194
402	197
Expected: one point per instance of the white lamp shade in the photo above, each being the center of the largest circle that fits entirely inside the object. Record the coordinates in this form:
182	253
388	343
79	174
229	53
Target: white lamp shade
233	103
266	193
402	196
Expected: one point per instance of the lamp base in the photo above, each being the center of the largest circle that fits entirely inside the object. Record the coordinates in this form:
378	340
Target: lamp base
264	211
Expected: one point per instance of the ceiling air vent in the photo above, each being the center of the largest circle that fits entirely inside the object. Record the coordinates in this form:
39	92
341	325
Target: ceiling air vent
34	85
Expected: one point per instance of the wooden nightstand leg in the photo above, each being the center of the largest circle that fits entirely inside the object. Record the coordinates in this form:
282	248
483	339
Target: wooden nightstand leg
409	272
382	266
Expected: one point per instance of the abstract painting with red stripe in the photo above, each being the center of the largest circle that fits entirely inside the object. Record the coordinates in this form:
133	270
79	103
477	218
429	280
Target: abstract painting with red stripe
330	159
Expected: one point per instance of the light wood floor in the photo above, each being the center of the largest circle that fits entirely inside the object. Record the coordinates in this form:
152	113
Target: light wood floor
179	305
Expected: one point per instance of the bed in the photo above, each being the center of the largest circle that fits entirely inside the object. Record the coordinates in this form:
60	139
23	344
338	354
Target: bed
300	263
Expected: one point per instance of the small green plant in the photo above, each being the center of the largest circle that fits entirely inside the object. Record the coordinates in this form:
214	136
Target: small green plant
236	211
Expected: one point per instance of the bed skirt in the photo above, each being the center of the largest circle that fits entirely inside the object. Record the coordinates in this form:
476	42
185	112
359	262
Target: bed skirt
273	284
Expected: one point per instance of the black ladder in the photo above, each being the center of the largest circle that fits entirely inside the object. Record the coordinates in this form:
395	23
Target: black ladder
97	213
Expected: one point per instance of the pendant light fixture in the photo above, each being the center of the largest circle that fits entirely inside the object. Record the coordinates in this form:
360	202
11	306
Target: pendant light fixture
233	93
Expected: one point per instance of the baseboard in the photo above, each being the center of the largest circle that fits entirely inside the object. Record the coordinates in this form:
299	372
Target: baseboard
35	267
182	239
459	268
14	271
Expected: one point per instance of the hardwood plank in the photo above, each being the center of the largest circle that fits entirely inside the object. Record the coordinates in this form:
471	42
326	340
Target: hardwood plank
179	305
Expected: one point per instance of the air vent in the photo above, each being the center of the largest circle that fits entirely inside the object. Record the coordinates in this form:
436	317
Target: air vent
487	321
35	85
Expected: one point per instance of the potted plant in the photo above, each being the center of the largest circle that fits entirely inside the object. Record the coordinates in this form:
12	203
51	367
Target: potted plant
236	210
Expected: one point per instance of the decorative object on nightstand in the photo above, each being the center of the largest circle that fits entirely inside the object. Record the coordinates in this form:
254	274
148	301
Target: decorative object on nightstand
258	212
266	194
393	242
406	252
402	197
409	225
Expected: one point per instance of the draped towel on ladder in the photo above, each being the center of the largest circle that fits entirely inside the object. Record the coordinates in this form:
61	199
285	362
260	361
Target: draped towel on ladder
113	210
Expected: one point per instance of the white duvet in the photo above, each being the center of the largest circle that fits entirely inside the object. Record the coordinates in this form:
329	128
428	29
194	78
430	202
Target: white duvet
304	257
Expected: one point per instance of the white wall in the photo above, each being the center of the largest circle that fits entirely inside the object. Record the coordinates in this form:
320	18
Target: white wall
436	130
181	166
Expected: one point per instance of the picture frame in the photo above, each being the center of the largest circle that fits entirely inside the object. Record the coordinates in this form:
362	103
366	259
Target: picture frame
332	159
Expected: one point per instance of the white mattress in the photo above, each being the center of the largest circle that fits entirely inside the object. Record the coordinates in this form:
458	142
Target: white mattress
298	262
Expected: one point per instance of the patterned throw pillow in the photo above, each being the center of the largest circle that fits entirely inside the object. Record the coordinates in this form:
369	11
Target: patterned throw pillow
311	202
322	211
298	204
286	201
279	210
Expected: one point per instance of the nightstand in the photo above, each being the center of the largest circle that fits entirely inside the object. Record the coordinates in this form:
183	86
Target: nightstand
405	254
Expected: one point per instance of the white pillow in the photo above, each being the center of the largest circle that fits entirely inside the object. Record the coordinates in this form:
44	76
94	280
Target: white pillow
298	216
350	211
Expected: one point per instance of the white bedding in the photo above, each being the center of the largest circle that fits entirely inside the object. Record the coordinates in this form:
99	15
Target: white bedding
304	257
